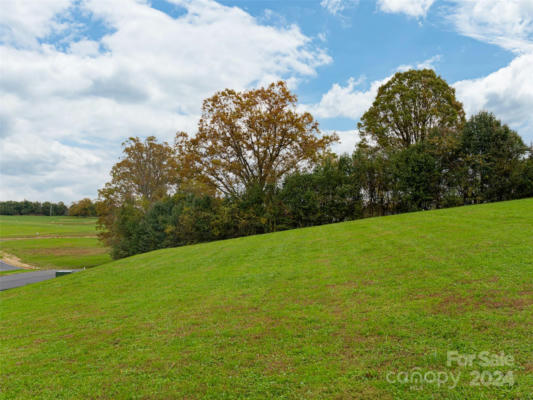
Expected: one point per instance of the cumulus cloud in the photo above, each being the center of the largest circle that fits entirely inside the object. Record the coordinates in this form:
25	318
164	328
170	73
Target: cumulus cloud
345	101
507	92
147	74
347	141
413	8
22	22
35	166
350	100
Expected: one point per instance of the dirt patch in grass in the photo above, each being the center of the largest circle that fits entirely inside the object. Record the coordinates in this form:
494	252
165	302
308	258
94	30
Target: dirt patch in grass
453	304
349	284
66	251
31	237
15	261
492	279
352	284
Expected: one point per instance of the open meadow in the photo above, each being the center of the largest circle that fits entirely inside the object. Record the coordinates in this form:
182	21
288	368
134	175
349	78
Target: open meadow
337	311
52	242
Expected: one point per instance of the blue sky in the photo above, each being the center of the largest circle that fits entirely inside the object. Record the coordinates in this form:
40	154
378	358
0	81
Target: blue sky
366	42
80	76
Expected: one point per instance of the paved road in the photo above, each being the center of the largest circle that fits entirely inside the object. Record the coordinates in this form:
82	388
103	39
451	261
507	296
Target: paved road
11	281
7	267
20	279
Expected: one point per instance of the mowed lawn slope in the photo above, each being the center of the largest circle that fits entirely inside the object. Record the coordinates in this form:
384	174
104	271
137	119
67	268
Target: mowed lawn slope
324	312
52	242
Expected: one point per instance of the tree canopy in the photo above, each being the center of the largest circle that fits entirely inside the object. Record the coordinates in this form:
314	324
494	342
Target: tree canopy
83	208
494	154
256	165
145	172
251	138
408	107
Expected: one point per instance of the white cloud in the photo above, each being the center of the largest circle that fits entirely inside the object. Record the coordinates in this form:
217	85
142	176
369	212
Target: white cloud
413	8
33	166
507	92
336	7
426	64
23	21
345	101
150	80
347	141
506	23
85	47
351	102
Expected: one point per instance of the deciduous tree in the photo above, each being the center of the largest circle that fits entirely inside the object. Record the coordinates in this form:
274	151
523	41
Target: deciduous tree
408	107
493	155
83	208
147	170
251	138
146	173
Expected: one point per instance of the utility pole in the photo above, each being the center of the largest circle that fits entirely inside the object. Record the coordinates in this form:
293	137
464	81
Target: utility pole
50	210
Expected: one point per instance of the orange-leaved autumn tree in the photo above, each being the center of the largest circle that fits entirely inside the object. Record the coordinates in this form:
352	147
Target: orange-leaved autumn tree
251	138
83	208
146	173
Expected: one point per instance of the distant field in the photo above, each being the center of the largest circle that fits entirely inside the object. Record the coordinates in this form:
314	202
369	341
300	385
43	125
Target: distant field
52	242
35	226
63	253
332	312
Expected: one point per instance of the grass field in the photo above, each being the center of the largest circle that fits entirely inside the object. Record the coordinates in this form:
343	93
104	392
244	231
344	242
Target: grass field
41	226
15	271
330	312
52	242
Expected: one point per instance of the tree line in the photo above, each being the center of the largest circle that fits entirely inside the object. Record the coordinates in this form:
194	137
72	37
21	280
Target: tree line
27	207
257	165
83	208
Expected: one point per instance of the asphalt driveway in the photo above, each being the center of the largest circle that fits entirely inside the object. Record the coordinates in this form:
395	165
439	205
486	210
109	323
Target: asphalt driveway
7	267
11	281
15	280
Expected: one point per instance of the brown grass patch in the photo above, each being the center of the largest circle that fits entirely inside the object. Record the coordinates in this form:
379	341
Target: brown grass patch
31	237
276	363
492	279
457	303
351	284
67	251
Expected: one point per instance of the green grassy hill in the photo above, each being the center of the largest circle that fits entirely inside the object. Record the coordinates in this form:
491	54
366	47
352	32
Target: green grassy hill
326	312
